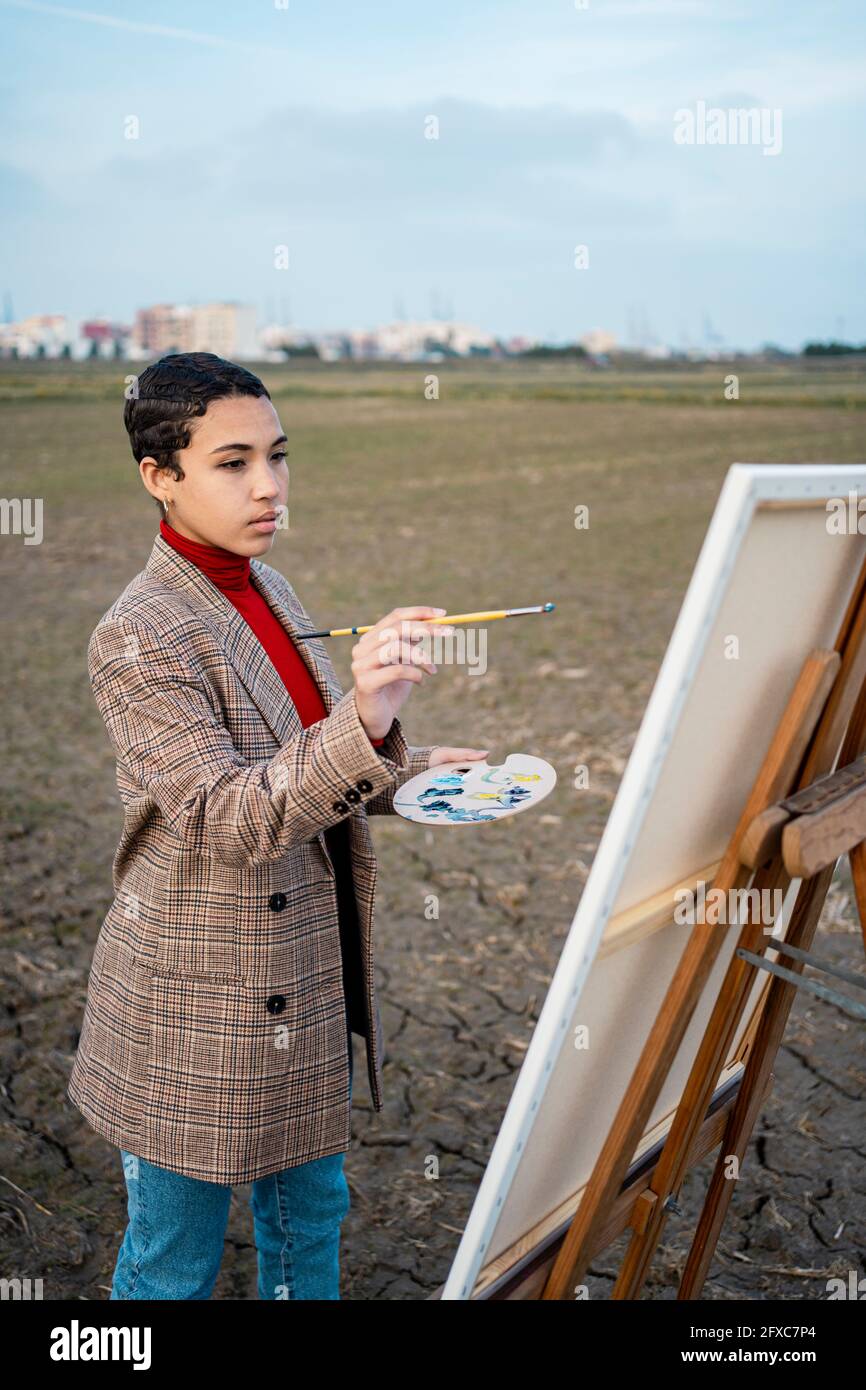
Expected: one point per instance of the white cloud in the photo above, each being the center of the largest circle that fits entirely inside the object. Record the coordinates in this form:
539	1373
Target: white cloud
137	26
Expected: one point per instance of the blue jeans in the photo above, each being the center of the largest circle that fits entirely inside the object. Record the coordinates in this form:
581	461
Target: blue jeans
173	1243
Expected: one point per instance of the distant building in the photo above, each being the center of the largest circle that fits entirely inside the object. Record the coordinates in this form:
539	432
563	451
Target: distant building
106	339
519	343
336	347
420	340
163	328
598	341
227	329
40	335
276	338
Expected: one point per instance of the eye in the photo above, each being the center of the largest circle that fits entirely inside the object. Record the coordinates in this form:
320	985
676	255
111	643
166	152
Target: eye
234	464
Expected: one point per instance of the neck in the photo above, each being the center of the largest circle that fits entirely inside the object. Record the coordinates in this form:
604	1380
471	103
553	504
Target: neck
223	568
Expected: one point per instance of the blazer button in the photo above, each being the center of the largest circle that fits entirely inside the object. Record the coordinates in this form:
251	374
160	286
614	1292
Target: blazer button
351	795
364	785
340	807
277	901
276	1004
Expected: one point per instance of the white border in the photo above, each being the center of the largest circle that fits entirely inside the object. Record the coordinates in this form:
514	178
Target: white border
746	484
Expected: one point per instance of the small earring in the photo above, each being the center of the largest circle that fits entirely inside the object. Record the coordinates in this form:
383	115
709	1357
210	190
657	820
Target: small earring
165	506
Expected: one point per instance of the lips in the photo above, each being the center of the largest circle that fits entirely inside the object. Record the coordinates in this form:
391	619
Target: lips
266	516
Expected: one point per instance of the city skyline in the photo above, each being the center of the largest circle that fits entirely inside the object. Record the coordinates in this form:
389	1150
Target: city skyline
232	329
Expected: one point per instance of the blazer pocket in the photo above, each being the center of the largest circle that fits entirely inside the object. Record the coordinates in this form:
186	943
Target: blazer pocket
231	1062
202	904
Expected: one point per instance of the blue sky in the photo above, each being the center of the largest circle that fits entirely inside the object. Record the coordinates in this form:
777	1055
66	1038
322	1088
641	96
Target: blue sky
303	125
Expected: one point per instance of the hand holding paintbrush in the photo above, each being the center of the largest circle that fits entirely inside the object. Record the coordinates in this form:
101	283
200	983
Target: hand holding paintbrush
385	666
484	617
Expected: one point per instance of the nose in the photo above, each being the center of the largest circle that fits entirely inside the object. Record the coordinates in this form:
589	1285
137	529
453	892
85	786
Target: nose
267	486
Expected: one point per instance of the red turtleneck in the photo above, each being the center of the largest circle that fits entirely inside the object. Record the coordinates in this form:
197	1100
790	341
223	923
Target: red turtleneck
231	574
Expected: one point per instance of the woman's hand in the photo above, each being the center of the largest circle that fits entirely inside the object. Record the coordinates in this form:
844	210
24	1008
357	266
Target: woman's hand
455	755
388	660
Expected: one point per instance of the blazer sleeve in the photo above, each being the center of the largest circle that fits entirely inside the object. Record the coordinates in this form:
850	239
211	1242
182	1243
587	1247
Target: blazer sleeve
383	803
393	748
164	723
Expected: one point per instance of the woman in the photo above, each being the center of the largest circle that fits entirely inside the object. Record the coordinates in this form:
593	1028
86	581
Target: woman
237	958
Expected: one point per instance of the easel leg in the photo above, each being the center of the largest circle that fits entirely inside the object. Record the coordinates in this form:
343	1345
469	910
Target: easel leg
753	1088
703	1079
857	860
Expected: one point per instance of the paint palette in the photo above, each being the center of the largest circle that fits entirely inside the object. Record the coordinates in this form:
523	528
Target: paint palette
466	793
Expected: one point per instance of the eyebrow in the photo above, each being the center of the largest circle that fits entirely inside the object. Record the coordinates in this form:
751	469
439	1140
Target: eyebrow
283	439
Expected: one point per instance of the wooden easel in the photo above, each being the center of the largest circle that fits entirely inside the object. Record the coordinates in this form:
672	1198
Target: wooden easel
812	842
823	726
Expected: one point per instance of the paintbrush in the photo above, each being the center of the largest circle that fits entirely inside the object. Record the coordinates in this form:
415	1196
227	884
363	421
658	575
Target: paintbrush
446	618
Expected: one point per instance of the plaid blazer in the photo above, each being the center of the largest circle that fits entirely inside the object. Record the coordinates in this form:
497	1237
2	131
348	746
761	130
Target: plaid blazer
214	1040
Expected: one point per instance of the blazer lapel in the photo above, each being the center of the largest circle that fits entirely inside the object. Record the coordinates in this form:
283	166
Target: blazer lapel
253	666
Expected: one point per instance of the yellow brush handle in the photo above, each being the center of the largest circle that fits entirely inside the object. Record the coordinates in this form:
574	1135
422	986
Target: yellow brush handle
449	618
454	618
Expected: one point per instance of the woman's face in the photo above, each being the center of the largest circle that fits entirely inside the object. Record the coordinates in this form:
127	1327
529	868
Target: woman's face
235	470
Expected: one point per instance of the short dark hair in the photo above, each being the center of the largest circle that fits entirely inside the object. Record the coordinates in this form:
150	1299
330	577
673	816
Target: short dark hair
171	392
